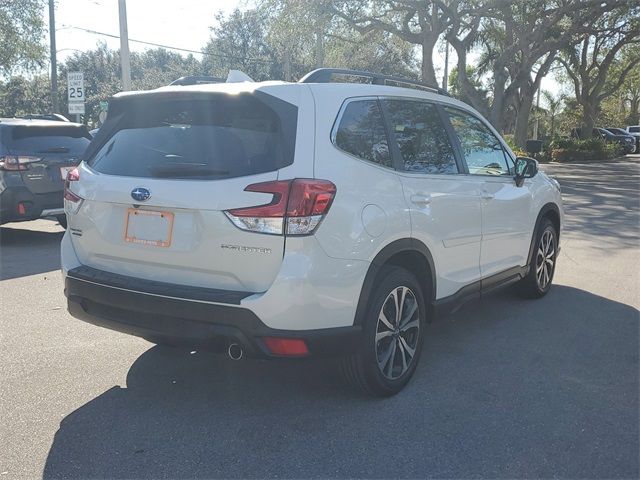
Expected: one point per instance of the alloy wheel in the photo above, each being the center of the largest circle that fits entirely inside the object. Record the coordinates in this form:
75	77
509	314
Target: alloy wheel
545	259
397	332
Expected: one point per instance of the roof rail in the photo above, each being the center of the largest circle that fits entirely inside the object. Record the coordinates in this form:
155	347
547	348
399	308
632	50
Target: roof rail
196	80
325	75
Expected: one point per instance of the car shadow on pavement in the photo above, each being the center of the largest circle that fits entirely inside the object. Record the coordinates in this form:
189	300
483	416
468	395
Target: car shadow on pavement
506	388
26	252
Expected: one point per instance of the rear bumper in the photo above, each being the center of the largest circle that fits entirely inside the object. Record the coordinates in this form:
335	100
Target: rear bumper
35	205
192	319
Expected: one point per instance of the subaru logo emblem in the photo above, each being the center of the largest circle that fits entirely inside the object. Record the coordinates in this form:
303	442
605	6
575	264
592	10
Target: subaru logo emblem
140	194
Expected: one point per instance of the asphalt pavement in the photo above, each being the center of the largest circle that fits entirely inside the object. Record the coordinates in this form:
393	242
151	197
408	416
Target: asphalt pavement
505	387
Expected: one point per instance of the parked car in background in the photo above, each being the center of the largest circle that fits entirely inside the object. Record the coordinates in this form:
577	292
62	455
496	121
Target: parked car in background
609	137
635	131
623	133
35	156
302	219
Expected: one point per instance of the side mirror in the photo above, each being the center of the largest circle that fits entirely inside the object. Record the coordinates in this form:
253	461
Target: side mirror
525	168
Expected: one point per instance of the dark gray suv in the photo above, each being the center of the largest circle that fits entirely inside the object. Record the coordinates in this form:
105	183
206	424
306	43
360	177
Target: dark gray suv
35	156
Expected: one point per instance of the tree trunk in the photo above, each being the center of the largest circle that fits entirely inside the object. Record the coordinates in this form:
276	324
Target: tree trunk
589	113
428	71
522	118
496	114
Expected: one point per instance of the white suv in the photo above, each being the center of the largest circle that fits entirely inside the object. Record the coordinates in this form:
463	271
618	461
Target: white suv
301	219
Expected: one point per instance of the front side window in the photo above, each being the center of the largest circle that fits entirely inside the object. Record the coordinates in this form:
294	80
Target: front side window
421	136
482	150
361	132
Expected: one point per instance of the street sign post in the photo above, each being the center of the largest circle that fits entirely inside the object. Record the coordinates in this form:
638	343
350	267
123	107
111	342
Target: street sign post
76	93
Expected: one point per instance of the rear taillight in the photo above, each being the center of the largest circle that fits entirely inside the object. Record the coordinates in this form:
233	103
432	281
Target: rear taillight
72	202
297	207
17	163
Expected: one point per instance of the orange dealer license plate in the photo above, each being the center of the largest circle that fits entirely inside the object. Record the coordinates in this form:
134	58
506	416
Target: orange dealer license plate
148	227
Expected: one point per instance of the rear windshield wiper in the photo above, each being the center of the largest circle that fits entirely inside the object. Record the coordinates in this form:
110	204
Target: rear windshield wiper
55	150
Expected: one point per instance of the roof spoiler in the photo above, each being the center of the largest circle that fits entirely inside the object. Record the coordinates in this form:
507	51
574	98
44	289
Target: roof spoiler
234	76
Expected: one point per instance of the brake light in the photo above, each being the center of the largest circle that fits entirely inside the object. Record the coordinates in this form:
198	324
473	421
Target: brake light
72	202
17	163
290	347
297	207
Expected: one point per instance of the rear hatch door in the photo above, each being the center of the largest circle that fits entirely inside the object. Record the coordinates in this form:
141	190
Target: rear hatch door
161	174
49	151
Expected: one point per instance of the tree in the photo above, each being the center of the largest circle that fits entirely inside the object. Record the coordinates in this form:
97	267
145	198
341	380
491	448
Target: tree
21	96
102	77
589	62
240	42
520	41
22	32
554	104
417	22
628	95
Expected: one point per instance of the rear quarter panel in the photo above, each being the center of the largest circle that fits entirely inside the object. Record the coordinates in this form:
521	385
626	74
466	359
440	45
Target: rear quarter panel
368	211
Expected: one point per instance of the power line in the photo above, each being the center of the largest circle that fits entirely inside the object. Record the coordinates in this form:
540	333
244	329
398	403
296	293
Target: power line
160	45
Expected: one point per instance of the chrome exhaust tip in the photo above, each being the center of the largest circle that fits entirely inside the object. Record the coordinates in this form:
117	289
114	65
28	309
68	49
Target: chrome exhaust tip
235	351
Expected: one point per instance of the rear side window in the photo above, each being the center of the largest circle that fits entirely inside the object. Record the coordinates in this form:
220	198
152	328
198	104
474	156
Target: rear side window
222	136
482	150
634	129
361	132
421	136
69	139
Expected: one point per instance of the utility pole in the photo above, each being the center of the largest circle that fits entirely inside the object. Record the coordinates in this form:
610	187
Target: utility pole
54	63
125	62
445	79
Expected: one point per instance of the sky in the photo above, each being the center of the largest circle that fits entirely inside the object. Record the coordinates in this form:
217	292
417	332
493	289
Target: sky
177	23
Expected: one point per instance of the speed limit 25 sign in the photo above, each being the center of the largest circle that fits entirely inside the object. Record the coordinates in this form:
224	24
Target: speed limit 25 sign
75	87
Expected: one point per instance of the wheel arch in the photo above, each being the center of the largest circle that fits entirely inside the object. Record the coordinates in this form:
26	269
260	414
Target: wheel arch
408	253
552	212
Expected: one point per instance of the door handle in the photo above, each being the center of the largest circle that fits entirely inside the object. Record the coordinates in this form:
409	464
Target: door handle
421	199
486	195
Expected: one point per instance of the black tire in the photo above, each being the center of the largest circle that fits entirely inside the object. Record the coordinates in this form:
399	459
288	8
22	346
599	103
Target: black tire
538	281
62	220
363	369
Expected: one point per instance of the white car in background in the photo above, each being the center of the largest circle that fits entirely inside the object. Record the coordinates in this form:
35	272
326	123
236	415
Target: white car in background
302	219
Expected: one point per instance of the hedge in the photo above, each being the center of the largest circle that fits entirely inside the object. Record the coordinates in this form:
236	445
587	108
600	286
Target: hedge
572	150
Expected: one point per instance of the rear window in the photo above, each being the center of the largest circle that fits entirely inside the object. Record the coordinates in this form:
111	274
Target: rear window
634	129
69	139
223	136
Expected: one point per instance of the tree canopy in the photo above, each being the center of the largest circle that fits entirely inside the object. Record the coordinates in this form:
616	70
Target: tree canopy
502	51
22	32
